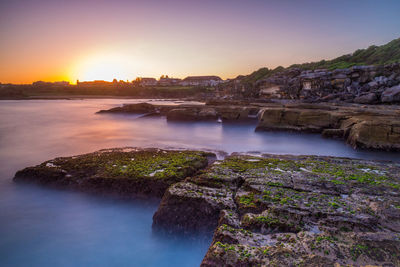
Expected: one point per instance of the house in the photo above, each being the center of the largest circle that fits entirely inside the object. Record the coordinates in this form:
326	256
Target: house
165	81
147	81
201	81
41	83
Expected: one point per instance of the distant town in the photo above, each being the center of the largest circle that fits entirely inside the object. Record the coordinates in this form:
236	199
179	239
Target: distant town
164	80
165	86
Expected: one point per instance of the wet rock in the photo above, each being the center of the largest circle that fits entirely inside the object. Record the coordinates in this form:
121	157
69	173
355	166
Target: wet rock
296	119
187	208
271	210
132	108
127	172
333	133
375	133
362	127
278	222
192	114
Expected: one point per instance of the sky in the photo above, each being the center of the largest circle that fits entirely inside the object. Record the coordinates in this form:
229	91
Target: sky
54	40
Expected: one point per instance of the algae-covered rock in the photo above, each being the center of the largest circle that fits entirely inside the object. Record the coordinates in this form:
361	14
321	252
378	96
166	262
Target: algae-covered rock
127	172
290	211
271	210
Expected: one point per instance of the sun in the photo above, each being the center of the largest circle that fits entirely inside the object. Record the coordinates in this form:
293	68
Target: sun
105	66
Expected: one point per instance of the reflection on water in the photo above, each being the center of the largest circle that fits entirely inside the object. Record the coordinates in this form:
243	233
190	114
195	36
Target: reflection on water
41	227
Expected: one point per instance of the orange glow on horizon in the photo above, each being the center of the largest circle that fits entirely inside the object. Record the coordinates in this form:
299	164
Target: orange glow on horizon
104	66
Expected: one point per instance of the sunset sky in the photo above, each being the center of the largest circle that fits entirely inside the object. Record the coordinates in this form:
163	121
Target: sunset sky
80	39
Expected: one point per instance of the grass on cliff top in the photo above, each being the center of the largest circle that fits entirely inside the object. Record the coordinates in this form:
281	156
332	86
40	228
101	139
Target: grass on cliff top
155	164
373	55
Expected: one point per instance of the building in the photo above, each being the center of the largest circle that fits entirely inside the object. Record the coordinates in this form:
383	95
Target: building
166	81
147	82
42	84
201	81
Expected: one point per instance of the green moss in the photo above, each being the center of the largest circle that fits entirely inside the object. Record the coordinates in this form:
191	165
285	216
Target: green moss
337	182
338	174
243	164
334	205
155	164
267	220
357	250
248	200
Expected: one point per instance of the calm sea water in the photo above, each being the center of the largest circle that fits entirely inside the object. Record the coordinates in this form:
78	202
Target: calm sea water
43	227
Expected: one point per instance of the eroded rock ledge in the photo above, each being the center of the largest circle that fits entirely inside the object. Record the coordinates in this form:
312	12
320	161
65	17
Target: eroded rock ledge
264	211
367	127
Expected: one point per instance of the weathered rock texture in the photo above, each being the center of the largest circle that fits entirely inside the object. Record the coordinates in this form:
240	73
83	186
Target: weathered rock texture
127	172
290	211
187	112
362	126
371	127
359	84
265	211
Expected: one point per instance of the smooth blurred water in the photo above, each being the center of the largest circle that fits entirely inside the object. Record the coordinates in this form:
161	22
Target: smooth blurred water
43	227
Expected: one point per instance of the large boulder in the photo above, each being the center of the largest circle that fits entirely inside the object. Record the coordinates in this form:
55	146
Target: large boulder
391	94
369	98
375	133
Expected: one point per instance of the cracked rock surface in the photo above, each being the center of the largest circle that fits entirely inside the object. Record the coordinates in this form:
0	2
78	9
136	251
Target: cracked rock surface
290	211
270	210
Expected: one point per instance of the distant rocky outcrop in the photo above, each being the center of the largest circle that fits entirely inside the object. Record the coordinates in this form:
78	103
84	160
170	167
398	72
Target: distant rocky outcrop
185	112
359	77
359	84
373	127
362	126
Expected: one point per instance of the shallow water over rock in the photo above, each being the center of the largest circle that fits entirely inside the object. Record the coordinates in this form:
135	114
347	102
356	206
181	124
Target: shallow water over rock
43	227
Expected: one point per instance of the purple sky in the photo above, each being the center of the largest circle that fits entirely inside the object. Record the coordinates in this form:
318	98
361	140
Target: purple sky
69	40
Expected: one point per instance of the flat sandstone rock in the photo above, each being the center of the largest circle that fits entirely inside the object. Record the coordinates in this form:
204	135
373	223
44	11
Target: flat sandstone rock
127	172
290	211
271	210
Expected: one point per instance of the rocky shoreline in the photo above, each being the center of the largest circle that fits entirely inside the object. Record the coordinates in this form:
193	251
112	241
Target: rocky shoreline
361	126
271	210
